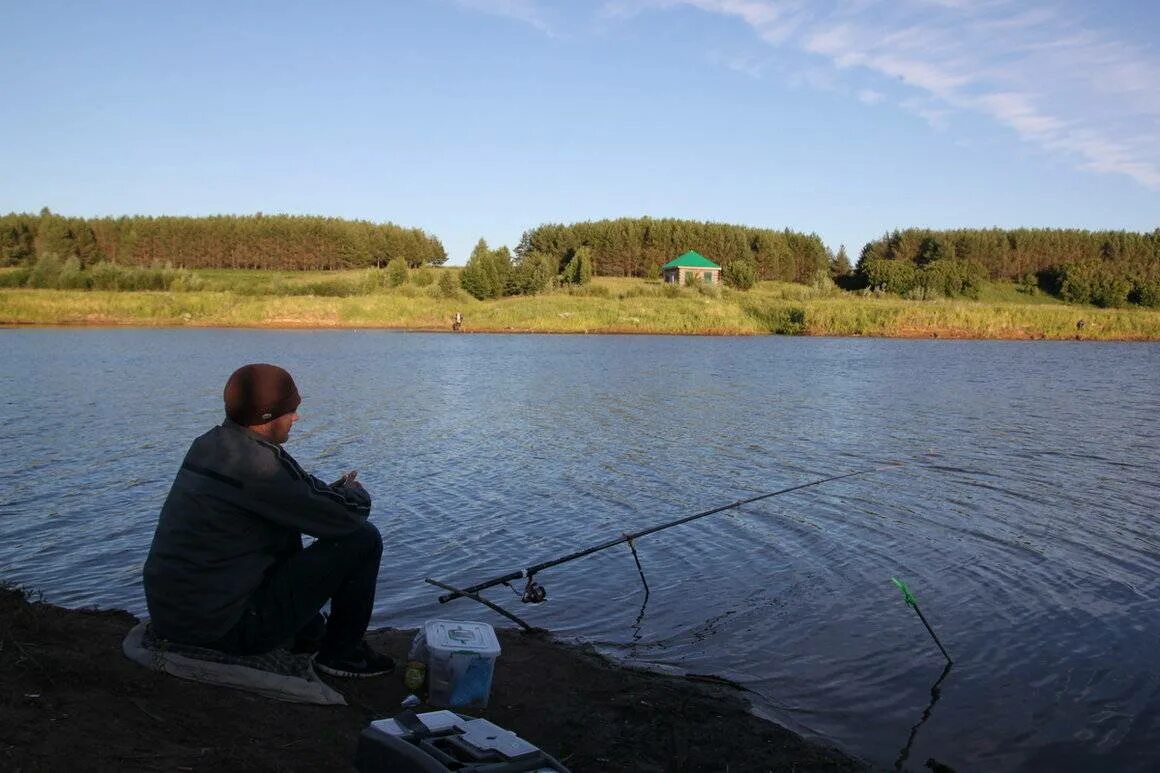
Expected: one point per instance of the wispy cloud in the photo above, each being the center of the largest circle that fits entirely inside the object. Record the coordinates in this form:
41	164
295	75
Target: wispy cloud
1053	80
936	117
526	11
742	64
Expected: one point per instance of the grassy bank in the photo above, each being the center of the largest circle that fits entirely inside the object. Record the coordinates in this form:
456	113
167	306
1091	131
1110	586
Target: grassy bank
609	305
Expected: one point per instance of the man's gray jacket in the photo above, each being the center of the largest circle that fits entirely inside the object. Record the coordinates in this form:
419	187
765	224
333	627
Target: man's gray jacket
239	504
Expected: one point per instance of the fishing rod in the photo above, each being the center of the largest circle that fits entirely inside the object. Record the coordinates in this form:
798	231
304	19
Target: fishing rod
912	602
534	593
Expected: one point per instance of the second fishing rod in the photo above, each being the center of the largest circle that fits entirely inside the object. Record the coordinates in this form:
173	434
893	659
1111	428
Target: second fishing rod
534	593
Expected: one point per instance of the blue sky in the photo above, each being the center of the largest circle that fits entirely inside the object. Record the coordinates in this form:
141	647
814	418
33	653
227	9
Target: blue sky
472	118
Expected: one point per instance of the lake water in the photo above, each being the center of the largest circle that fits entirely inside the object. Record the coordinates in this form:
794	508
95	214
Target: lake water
1024	517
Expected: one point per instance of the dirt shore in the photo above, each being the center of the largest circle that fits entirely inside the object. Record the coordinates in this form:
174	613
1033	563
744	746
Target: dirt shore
69	700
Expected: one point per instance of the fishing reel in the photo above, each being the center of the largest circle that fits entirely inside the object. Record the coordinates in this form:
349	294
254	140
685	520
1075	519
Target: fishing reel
534	593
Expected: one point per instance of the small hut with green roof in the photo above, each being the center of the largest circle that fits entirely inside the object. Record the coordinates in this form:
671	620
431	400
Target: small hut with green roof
694	264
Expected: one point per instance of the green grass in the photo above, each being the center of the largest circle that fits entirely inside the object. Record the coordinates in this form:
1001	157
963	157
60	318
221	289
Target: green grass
326	283
609	305
1006	292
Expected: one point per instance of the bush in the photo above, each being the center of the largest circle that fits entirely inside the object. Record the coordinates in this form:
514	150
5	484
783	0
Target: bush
951	278
531	275
794	322
185	281
109	276
446	287
156	277
474	281
373	279
1109	290
422	277
328	289
740	274
1093	283
71	277
17	277
396	272
781	320
891	276
822	281
1146	294
46	271
850	282
104	276
1075	286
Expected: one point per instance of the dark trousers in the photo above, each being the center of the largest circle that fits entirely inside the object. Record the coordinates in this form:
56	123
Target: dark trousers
341	570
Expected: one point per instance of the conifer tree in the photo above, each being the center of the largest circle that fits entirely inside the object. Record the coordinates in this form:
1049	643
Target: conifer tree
497	265
53	237
85	243
578	269
17	241
840	264
446	287
474	276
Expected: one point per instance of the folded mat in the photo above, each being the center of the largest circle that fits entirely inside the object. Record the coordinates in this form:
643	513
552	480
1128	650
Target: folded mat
276	674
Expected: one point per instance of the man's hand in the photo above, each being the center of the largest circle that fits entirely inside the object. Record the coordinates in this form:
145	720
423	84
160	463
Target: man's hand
346	480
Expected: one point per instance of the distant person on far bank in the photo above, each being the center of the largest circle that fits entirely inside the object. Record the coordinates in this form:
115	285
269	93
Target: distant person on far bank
457	322
227	569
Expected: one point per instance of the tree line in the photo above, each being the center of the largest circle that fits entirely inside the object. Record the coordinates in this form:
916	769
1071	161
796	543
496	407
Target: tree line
282	242
496	273
640	246
1107	268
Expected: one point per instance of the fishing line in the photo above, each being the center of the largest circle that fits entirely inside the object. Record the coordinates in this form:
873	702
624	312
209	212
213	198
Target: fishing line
535	593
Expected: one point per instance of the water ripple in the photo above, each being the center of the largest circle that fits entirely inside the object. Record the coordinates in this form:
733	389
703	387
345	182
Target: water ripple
1023	517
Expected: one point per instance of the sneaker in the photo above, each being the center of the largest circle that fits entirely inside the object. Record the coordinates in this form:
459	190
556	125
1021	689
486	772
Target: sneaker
360	662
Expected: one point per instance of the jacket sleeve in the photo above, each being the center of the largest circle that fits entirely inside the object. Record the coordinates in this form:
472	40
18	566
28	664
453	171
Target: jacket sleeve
285	494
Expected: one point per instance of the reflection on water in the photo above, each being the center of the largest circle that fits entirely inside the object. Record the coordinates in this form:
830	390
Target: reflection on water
1023	517
935	694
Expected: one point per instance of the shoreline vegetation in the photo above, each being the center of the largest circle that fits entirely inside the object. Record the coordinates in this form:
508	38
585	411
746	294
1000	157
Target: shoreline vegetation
604	276
72	699
610	305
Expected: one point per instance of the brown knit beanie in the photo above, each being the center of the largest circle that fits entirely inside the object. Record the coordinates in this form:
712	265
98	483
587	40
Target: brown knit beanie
258	393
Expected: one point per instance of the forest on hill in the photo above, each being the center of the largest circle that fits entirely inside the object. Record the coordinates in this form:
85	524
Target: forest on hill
283	242
1105	268
640	246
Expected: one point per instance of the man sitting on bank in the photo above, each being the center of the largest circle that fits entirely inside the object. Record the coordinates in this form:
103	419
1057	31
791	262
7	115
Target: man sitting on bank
227	569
